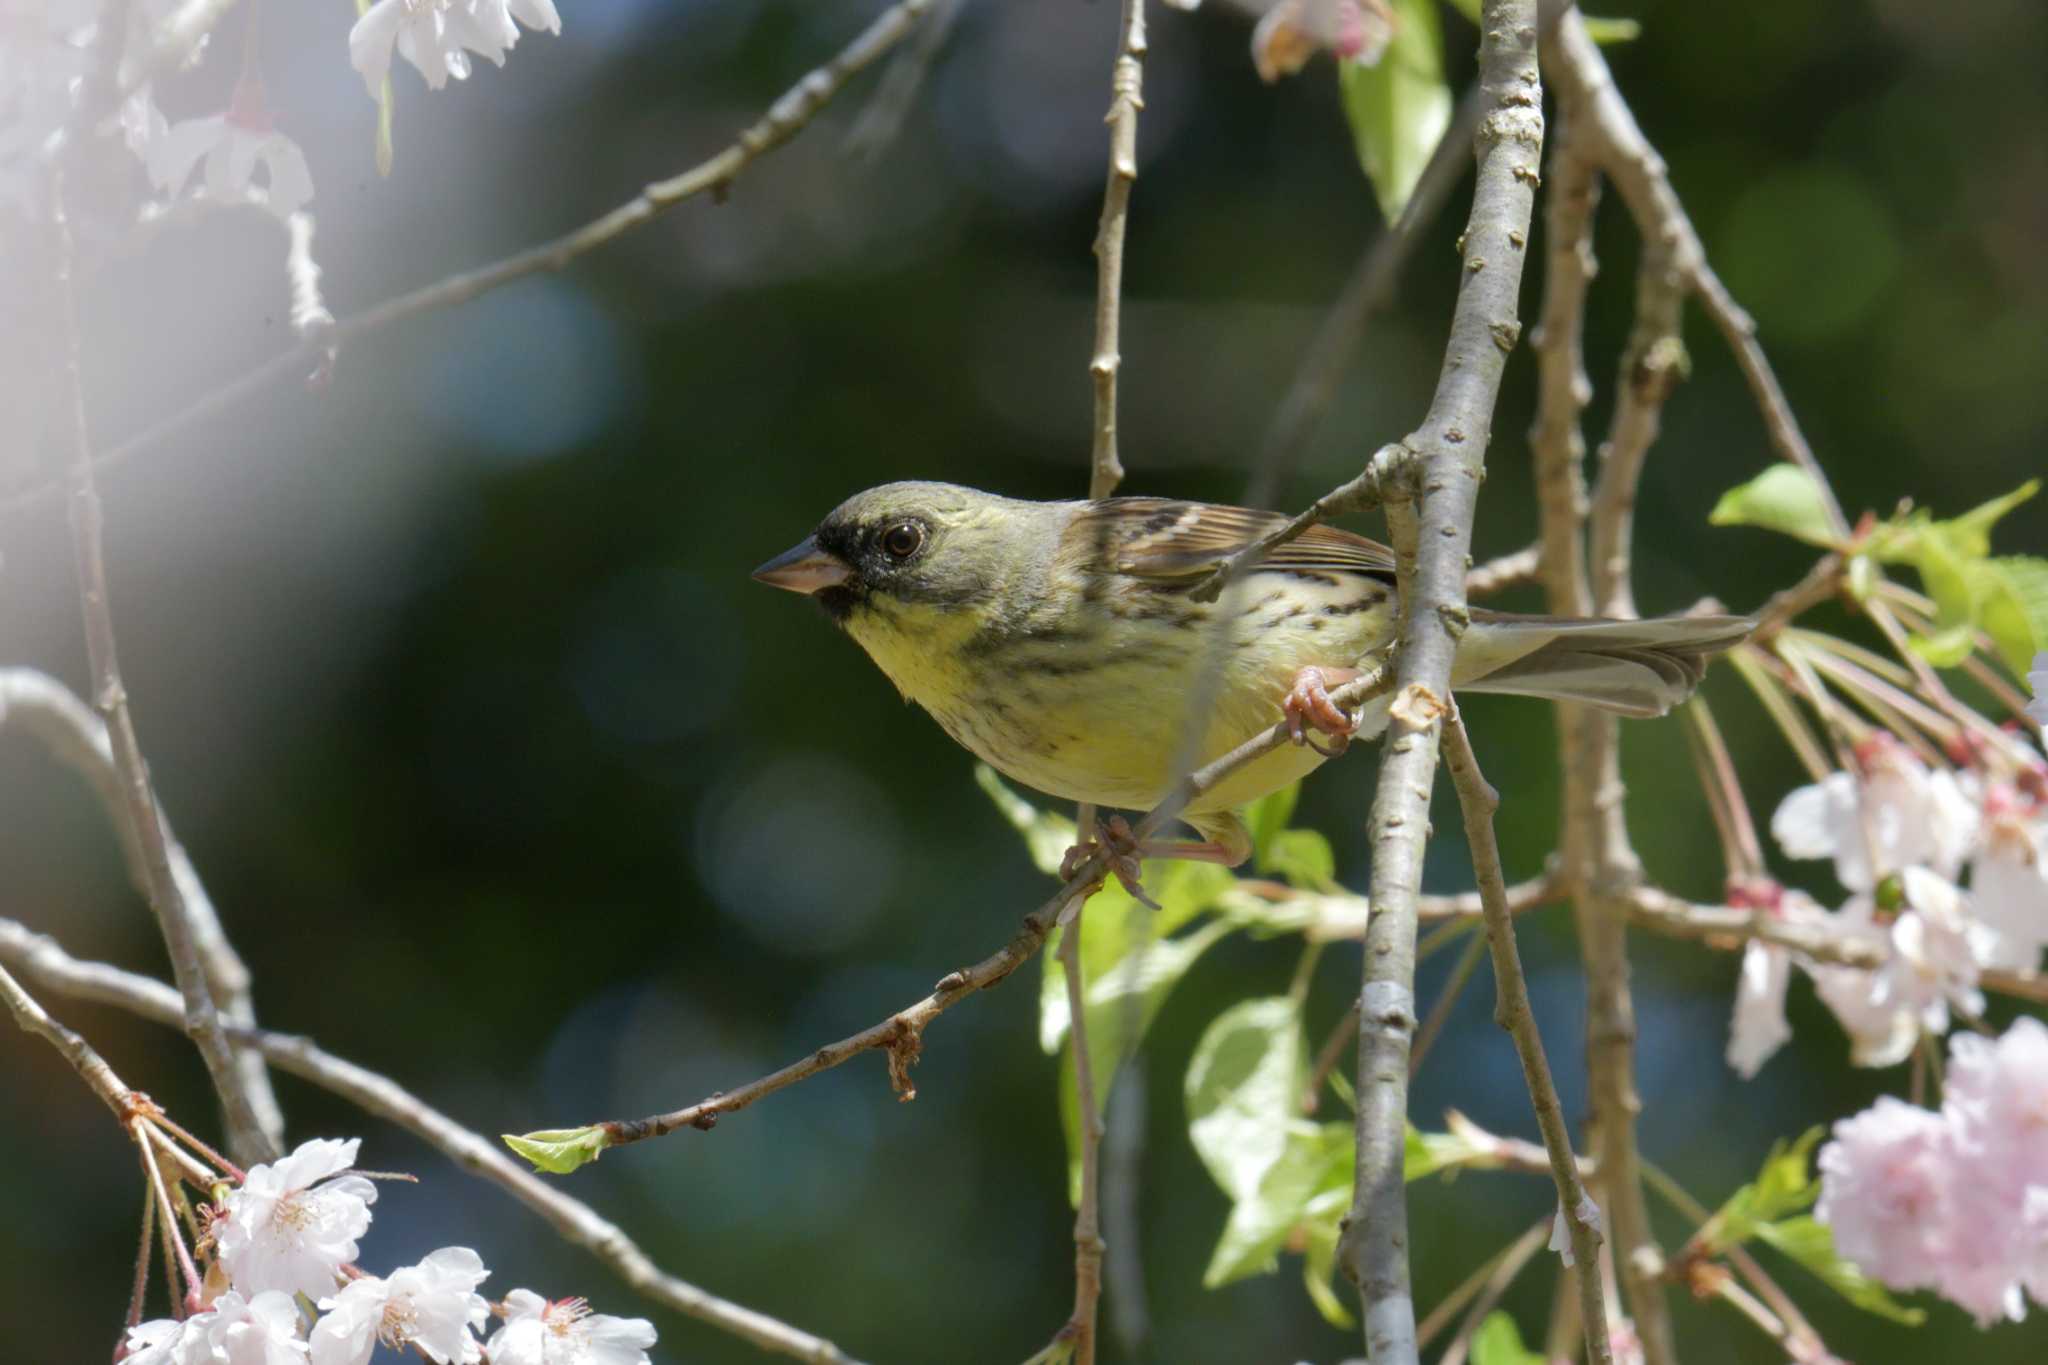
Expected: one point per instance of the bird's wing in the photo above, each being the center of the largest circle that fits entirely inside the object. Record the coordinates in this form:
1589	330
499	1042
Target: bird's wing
1159	538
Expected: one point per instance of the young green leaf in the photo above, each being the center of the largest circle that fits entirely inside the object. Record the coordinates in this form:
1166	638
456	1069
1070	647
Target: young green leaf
1305	858
1244	1089
1400	105
1812	1244
1785	499
1784	1185
2015	613
1312	1171
1499	1342
559	1151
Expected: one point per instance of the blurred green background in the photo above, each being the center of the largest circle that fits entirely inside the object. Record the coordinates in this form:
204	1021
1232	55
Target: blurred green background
510	783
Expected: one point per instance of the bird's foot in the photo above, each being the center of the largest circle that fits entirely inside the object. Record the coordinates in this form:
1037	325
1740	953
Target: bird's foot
1308	705
1115	837
1127	852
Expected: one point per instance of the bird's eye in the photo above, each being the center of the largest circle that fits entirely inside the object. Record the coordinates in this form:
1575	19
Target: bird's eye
903	540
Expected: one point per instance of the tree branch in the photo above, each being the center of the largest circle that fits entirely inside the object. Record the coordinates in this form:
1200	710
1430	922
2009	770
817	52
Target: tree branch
140	811
1432	532
65	726
42	959
784	119
1479	801
1080	1328
85	1060
1126	98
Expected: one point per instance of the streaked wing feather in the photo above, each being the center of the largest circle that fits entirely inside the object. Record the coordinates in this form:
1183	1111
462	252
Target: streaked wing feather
1160	538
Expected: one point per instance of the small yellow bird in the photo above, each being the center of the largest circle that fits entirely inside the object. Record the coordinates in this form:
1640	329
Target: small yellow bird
1058	641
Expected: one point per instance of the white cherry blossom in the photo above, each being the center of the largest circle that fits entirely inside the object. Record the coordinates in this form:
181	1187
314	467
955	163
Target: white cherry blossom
438	36
263	1330
2009	878
232	144
1937	953
294	1223
566	1332
429	1308
1896	810
1758	1027
1881	1033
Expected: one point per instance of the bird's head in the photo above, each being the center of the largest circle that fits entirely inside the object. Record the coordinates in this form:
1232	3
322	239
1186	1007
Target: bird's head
905	548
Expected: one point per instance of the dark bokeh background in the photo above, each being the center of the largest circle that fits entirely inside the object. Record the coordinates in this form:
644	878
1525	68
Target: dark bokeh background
510	783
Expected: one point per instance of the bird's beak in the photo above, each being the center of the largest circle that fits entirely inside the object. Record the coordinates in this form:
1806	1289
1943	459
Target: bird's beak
804	568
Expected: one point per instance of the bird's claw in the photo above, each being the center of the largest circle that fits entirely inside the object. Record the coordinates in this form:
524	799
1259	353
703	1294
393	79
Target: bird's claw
1308	704
1119	841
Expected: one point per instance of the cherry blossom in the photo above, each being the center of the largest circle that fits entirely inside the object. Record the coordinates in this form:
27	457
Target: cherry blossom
1885	1182
294	1223
2009	879
429	1308
438	36
1955	1201
233	144
1758	1027
1895	811
263	1330
566	1332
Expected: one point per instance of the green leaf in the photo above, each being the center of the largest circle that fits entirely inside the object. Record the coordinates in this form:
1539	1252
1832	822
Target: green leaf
1400	105
559	1151
1309	1182
1266	817
1812	1244
1047	835
1244	1090
1319	1258
2015	613
1972	530
1785	499
1784	1185
1499	1342
1305	858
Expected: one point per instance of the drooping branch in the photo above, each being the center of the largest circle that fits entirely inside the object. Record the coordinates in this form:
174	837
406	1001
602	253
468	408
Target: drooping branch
140	813
1479	801
42	960
84	1058
46	709
1126	98
784	119
1432	531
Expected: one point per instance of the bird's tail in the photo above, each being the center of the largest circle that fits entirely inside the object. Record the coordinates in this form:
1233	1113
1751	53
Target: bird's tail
1639	668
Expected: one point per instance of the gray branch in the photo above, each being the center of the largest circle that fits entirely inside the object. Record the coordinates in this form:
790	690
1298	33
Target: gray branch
1432	531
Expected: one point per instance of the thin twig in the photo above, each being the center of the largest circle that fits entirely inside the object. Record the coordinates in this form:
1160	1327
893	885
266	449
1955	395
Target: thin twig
140	811
66	727
1126	98
786	117
1366	291
1741	852
1504	572
1489	1291
1598	859
44	961
1432	536
1388	466
1478	800
1814	935
1519	1251
1080	1328
902	1032
85	1060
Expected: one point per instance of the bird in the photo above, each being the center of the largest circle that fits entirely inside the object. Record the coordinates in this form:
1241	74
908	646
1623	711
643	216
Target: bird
1061	643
